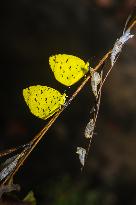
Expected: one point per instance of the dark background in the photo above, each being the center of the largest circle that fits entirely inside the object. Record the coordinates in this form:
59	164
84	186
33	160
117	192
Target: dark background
30	32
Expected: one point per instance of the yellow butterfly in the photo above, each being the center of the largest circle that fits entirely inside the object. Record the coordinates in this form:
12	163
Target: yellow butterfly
68	69
43	101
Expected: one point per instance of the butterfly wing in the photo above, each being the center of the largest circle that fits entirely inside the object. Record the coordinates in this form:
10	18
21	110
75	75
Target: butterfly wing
68	69
43	101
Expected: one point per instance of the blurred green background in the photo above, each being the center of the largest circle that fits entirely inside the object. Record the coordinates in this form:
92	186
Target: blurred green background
31	31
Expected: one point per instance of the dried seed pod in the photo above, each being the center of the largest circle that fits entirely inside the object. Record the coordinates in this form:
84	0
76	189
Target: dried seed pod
89	129
95	80
119	44
81	152
9	165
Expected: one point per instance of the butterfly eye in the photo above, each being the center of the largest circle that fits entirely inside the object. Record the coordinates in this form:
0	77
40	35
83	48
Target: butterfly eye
68	69
43	101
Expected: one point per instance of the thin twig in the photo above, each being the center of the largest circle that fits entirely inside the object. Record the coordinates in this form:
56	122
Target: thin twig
107	74
8	151
132	25
102	61
111	67
11	150
95	119
100	89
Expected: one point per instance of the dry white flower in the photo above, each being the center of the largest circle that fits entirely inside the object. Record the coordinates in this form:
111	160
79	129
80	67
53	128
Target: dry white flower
119	44
81	152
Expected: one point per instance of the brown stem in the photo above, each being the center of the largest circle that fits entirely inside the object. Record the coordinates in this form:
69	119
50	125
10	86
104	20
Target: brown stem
102	61
132	25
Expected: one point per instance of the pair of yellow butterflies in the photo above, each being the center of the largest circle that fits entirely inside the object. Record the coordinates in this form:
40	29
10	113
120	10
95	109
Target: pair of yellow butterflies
44	101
